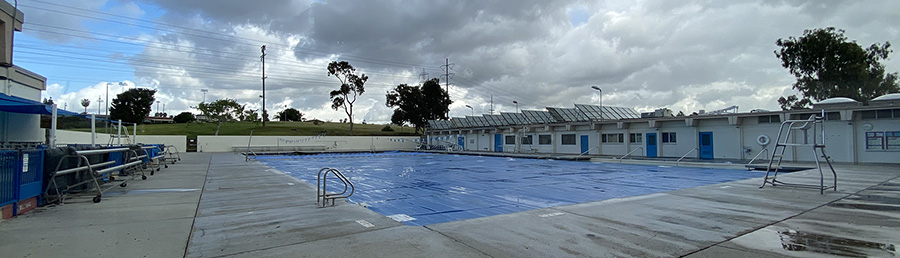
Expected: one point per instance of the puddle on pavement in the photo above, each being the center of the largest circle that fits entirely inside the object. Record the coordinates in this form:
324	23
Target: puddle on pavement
146	191
865	206
792	240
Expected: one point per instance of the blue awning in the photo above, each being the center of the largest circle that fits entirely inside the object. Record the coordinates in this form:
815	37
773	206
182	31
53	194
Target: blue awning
15	104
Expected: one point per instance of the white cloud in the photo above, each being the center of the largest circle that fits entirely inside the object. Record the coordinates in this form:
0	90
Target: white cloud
684	55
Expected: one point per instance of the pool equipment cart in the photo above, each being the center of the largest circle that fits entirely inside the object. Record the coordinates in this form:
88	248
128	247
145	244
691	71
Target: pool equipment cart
322	196
171	154
817	125
131	163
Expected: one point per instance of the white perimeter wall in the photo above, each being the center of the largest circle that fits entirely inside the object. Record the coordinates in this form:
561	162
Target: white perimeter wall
74	137
206	143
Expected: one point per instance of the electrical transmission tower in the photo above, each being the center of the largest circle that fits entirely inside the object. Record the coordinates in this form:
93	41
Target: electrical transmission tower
423	75
447	74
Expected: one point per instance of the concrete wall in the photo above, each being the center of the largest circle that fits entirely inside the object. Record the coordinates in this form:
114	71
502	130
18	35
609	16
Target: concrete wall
74	137
206	143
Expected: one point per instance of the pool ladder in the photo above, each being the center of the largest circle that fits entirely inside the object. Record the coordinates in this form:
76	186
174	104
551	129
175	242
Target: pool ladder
322	196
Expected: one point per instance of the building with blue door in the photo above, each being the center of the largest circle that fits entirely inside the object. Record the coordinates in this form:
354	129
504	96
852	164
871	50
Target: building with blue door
856	133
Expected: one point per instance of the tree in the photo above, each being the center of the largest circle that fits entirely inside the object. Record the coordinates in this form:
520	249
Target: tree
290	114
48	101
184	117
792	102
352	85
416	105
85	103
220	111
826	65
251	115
132	105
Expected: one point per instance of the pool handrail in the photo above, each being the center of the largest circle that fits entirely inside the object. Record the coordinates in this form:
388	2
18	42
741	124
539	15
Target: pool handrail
766	150
321	184
685	155
589	150
632	151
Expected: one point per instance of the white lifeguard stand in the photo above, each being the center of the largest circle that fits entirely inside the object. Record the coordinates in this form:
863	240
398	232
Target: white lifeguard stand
789	129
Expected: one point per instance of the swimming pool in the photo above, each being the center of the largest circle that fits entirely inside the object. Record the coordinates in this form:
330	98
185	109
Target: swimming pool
423	188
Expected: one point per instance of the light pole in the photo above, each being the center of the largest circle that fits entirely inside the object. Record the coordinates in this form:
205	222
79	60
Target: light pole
204	94
157	106
517	105
473	110
601	99
99	104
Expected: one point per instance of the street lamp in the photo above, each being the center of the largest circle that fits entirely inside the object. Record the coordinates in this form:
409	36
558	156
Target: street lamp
473	110
601	99
517	105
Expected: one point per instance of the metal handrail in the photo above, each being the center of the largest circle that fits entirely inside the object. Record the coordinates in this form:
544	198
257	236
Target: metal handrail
685	155
322	195
757	155
632	151
247	156
589	150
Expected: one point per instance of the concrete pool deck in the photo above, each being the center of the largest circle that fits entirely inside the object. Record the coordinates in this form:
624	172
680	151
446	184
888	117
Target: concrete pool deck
218	205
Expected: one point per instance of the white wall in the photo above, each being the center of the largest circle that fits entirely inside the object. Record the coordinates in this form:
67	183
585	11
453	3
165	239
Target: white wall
208	143
74	137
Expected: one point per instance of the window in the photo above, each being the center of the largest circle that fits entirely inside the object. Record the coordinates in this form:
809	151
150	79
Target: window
769	119
892	140
883	140
828	116
510	140
612	138
635	137
669	138
527	139
568	139
545	139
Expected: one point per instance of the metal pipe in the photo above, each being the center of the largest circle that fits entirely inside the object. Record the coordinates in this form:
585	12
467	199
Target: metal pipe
52	122
93	130
102	151
73	170
119	134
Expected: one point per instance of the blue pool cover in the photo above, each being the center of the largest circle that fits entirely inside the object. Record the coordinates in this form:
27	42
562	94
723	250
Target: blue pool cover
423	189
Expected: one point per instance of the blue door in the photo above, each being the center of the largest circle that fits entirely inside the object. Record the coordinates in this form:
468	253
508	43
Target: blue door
498	142
651	144
584	144
461	141
706	145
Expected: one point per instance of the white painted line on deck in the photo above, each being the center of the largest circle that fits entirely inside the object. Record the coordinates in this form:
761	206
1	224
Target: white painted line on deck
551	214
365	223
401	217
727	186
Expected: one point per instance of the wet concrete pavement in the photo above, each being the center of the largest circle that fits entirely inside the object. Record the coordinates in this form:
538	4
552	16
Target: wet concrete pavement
246	209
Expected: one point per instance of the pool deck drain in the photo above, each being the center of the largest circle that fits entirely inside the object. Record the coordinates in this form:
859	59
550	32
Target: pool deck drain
246	209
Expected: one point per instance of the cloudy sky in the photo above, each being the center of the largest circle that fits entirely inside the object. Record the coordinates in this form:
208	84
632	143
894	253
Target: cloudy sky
684	55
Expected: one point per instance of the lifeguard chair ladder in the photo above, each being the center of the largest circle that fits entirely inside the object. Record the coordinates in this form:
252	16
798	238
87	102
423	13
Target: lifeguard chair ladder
817	125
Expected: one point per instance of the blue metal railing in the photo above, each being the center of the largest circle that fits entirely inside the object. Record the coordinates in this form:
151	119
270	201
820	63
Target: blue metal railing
21	175
8	186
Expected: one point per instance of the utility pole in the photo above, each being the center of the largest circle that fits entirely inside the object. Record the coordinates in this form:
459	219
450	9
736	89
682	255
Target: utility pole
263	58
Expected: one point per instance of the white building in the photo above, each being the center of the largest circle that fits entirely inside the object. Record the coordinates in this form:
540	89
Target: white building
853	133
20	89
